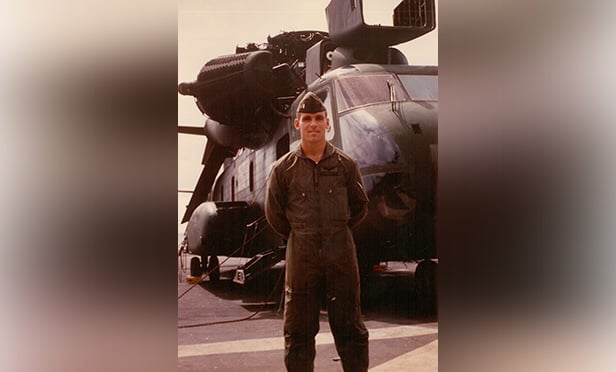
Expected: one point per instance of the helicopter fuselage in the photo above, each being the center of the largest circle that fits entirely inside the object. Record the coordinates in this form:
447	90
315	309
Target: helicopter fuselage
384	117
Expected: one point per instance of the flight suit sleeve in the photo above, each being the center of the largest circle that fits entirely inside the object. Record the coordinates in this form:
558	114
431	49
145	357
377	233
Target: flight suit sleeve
358	200
275	204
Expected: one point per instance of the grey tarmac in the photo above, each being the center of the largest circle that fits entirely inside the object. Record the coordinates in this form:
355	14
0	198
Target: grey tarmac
399	339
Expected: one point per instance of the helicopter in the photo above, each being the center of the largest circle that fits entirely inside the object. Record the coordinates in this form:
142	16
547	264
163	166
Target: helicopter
383	113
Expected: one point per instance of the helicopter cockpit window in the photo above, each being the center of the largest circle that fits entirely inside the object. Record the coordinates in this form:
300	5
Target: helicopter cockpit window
356	91
421	87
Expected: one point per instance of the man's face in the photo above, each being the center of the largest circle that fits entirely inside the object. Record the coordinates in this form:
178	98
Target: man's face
312	127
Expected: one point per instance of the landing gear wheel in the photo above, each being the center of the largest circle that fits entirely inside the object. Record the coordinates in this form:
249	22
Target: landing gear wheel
195	267
425	288
215	270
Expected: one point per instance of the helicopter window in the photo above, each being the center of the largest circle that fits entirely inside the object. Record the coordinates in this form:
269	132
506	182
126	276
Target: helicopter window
368	141
251	176
354	91
421	87
282	146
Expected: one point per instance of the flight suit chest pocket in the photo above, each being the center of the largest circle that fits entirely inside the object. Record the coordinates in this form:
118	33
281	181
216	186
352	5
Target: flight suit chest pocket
300	189
336	194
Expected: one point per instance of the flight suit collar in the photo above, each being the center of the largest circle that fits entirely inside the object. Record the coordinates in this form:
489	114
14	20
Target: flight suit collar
329	151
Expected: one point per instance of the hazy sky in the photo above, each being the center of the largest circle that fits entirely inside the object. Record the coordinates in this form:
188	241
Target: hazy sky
211	28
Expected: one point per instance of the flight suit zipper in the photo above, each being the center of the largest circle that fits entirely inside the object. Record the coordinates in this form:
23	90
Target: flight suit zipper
315	183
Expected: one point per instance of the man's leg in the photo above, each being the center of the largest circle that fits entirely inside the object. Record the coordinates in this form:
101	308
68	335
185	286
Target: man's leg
350	333
301	324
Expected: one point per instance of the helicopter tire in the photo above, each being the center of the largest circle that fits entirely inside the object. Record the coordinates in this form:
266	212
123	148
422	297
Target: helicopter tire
425	288
195	267
215	270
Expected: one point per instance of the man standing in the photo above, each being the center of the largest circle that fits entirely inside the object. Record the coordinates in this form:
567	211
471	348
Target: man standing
315	196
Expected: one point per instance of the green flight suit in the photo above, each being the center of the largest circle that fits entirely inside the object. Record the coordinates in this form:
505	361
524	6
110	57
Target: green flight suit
315	206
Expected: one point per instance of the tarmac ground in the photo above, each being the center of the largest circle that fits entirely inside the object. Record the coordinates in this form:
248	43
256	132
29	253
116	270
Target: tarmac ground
223	326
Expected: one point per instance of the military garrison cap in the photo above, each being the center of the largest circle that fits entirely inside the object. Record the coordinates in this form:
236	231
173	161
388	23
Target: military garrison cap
310	104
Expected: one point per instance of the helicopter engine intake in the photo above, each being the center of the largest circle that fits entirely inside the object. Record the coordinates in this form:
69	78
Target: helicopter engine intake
237	91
